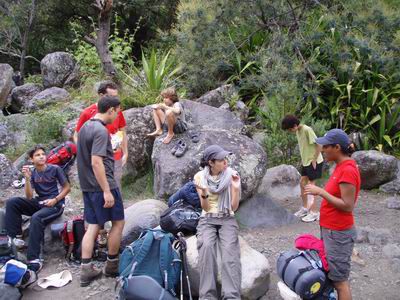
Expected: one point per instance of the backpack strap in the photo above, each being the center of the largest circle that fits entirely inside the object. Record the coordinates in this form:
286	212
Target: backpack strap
165	258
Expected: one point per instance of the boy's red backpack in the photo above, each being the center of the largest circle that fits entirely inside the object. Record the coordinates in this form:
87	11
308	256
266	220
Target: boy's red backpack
62	155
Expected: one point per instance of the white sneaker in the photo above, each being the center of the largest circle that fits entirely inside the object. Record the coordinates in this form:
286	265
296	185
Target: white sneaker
311	217
302	212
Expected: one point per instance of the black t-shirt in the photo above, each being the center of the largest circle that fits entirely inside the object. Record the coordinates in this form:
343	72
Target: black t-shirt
94	139
45	183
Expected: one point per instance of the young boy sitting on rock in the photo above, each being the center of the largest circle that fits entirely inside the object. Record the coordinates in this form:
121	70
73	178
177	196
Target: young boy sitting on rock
44	208
169	115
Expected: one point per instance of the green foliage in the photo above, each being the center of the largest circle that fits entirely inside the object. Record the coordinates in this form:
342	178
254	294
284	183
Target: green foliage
45	126
158	72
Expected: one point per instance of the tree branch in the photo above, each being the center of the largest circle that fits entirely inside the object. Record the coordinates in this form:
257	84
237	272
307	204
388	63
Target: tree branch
90	40
298	52
18	55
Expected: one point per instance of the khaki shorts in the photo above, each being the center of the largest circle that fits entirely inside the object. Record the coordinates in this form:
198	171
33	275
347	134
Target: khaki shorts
339	246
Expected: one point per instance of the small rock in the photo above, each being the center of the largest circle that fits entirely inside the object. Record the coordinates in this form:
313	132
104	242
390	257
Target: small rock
395	263
391	251
393	203
380	236
362	234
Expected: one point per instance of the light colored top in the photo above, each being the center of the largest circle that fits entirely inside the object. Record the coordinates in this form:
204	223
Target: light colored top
306	138
212	198
181	116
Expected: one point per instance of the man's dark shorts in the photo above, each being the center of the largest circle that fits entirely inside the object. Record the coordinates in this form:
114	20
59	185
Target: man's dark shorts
179	127
312	173
338	249
94	211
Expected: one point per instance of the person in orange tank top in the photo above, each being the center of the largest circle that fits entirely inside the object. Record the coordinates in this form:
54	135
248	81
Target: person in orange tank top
336	214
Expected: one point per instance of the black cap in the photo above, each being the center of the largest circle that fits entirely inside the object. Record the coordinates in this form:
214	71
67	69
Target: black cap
215	152
333	137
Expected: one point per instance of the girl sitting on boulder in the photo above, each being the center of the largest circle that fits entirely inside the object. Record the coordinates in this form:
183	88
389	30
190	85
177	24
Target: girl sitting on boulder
168	115
219	190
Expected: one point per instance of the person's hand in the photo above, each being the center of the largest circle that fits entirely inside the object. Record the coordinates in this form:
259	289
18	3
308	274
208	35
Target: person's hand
314	164
51	202
108	199
311	189
236	181
26	171
124	159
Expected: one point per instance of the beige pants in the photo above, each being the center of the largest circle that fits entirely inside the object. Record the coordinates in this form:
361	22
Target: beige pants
222	232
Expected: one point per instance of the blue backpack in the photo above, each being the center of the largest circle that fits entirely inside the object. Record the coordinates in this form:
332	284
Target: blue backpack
152	255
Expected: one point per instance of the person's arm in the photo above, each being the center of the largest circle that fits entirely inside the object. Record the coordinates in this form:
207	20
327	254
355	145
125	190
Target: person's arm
124	146
318	149
235	192
202	192
26	171
345	203
66	188
75	137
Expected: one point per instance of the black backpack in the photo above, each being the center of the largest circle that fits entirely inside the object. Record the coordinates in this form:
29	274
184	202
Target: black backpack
180	217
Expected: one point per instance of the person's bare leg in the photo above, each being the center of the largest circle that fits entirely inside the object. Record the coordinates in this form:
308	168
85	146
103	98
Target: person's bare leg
312	204
159	118
171	120
88	240
303	183
114	239
343	290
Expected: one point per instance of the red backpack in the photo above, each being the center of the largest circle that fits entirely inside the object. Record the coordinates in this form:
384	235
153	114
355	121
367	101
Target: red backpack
62	155
72	235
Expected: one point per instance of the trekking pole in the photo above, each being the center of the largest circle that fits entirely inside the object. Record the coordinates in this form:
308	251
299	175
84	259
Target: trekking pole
184	262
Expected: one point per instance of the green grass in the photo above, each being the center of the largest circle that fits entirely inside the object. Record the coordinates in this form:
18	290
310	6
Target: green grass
139	188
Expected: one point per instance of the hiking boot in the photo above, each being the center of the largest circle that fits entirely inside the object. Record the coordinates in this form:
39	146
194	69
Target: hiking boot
89	273
311	217
111	268
302	212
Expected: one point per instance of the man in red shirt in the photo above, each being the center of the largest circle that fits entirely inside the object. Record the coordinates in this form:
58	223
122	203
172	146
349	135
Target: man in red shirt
117	131
336	213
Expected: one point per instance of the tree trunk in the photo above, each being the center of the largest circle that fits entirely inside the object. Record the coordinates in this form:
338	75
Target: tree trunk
103	33
24	42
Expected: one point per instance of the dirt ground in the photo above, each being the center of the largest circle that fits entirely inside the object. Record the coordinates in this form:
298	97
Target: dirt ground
378	279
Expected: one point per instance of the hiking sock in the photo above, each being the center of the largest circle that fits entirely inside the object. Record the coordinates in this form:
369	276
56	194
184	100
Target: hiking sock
112	257
86	261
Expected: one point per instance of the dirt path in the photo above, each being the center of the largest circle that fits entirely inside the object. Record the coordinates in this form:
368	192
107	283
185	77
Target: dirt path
378	279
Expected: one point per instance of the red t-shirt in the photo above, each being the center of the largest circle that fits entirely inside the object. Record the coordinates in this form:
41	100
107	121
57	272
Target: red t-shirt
113	128
331	217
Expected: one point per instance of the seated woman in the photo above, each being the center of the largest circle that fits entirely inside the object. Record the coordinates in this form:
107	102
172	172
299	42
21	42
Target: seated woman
219	190
47	206
336	214
169	115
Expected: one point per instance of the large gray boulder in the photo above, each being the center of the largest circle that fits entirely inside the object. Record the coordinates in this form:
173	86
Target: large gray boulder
208	117
13	131
255	270
139	122
262	211
171	173
48	97
21	96
7	172
140	216
56	68
281	184
6	83
376	168
392	187
219	96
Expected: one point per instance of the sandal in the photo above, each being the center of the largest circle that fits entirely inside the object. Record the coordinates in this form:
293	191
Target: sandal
173	150
195	136
182	147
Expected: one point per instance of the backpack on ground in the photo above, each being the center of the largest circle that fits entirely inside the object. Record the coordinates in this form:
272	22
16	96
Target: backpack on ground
188	194
150	263
180	217
7	249
72	235
63	155
303	273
